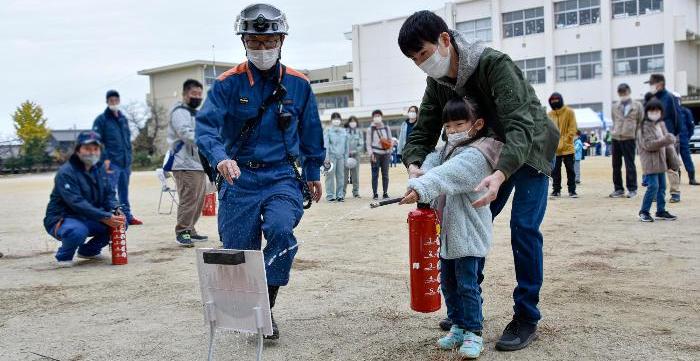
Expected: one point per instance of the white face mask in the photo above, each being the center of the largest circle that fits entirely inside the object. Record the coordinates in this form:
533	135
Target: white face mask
113	108
89	159
652	88
264	59
377	120
436	66
654	116
412	115
624	98
335	122
459	137
353	125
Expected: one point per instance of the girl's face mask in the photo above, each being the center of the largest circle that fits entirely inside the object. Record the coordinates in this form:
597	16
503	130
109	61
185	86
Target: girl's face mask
654	115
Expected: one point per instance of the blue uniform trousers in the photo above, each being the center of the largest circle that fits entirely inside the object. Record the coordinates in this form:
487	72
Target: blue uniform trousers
263	201
120	181
74	232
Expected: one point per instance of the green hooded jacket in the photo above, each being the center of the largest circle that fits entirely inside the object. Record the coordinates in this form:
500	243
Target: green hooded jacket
504	98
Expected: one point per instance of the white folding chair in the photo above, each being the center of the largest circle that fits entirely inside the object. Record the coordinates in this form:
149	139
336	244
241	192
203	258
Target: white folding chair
166	188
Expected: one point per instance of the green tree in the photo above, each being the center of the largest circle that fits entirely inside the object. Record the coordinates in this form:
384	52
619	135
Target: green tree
31	128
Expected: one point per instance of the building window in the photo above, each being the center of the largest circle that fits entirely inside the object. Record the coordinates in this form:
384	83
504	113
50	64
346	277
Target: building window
639	60
476	29
576	12
533	69
579	66
333	101
597	107
625	8
523	22
317	81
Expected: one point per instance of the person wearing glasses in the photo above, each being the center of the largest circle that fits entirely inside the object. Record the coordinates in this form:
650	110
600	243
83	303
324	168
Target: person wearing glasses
260	118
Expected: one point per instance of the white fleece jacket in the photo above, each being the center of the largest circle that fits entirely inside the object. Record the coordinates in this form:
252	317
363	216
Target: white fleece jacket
465	230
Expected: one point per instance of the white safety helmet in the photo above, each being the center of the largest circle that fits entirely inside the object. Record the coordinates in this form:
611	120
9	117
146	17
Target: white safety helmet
261	19
351	163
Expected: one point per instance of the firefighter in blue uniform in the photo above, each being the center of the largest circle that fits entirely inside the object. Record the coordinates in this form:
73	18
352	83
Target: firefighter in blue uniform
259	119
81	203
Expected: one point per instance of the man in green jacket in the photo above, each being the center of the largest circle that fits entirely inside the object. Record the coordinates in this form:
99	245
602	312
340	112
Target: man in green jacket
457	66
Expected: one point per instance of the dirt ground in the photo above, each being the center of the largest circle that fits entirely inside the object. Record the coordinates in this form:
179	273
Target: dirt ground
615	289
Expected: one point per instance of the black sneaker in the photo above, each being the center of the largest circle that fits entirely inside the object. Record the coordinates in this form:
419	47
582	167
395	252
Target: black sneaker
184	239
356	196
331	200
385	196
665	216
445	324
516	336
555	194
573	195
275	331
675	198
198	237
341	199
645	217
375	197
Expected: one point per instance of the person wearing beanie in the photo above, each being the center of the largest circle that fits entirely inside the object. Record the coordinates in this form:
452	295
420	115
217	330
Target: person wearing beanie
565	119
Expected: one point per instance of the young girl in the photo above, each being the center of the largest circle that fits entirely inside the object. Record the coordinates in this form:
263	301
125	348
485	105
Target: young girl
450	176
657	155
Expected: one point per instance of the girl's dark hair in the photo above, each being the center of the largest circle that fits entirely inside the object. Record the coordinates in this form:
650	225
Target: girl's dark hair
336	115
459	109
413	107
352	118
464	109
377	111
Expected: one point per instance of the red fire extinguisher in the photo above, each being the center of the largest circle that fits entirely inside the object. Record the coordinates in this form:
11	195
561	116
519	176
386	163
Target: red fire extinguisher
118	242
424	256
209	208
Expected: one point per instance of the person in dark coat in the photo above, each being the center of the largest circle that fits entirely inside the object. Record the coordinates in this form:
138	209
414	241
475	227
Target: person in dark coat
81	203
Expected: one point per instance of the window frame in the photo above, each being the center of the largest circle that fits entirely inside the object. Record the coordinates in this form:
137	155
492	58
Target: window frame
523	21
656	6
575	65
527	68
571	11
656	54
474	33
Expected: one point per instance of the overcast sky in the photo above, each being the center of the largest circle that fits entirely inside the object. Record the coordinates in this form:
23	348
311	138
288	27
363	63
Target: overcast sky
65	54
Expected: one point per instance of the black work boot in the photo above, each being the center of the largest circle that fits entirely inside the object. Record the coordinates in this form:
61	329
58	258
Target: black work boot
692	181
272	294
516	336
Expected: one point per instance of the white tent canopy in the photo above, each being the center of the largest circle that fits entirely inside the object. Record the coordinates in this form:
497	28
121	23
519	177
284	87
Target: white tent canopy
586	118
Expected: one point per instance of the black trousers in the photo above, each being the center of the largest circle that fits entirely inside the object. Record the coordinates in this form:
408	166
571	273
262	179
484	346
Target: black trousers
624	149
568	161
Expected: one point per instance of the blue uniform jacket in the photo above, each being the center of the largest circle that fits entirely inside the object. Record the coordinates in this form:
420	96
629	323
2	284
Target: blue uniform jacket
688	126
236	97
671	111
80	194
116	137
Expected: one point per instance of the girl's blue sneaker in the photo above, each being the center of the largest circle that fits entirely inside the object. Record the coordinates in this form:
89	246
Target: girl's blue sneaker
453	339
472	346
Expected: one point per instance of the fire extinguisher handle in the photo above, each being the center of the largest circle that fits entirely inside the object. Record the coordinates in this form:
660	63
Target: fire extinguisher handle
385	202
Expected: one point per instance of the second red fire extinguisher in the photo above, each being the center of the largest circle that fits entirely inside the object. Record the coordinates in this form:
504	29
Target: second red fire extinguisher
209	208
424	256
117	242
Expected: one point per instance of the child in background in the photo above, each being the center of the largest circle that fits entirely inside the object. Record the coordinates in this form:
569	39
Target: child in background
653	142
578	155
450	176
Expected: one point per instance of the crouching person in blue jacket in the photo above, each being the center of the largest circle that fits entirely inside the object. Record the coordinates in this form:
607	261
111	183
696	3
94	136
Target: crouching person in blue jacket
259	119
81	203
